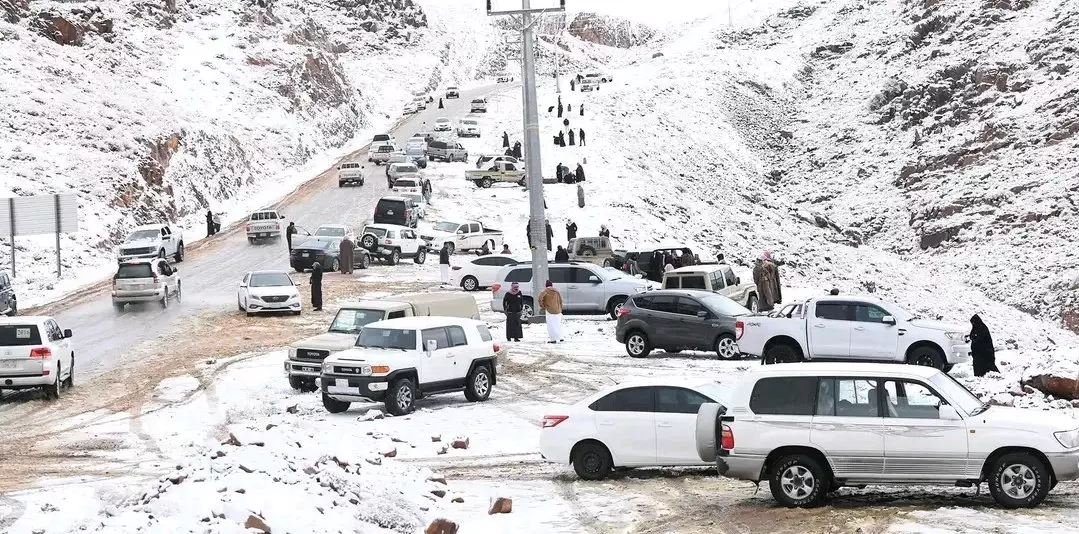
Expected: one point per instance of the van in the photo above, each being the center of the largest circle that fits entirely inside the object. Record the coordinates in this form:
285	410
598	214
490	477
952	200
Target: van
717	278
305	356
396	210
449	151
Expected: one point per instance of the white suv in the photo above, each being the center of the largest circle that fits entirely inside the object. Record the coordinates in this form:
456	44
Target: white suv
809	429
398	361
145	281
36	353
390	243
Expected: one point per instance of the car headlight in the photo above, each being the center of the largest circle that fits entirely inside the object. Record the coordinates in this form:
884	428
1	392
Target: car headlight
956	337
327	367
1068	438
291	353
254	297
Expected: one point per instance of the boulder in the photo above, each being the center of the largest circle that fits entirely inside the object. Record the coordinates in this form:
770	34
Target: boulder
1059	387
460	443
502	505
441	526
71	28
258	523
14	10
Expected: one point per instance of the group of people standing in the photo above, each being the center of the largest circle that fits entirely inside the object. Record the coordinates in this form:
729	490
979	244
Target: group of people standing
550	301
566	176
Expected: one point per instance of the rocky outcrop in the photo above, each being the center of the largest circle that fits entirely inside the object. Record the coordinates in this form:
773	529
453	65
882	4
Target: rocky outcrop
163	13
391	18
609	31
14	10
161	151
71	28
315	81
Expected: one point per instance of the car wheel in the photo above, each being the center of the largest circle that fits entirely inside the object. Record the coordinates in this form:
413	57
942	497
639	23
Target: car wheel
798	481
927	356
1019	480
401	397
70	382
118	306
239	305
365	261
421	256
336	265
591	461
334	405
588	251
52	391
607	263
469	283
179	252
614	305
485	183
395	257
752	304
478	387
450	248
295	382
726	348
637	344
528	310
780	353
368	241
250	241
165	298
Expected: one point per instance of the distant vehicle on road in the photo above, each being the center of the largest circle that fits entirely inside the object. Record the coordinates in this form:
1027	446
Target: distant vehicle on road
145	280
677	320
380	154
463	235
448	151
264	224
9	304
468	128
268	292
586	289
453	92
478	105
396	210
595	249
502	171
401	170
488	159
349	173
419	201
153	241
327	252
442	124
504	78
334	230
391	243
598	77
382	140
36	353
416	152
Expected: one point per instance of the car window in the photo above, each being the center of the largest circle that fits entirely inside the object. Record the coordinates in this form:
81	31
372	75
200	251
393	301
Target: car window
695	281
728	276
457	336
520	275
164	268
911	400
672	282
580	275
788	395
868	313
474	228
55	334
351	320
561	275
485	333
489	261
137	270
438	334
665	303
16	335
717	280
835	311
679	400
4	281
377	232
396	314
635	399
688	306
644	303
852	397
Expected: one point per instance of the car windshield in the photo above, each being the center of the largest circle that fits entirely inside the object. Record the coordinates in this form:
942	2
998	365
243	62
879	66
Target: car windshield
899	312
264	216
332	231
724	306
352	320
377	232
143	234
407	168
966	401
138	270
270	280
447	226
387	338
470	123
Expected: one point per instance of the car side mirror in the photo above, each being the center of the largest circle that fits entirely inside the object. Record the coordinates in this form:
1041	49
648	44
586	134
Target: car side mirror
280	216
243	284
948	413
67	333
702	314
888	319
432	346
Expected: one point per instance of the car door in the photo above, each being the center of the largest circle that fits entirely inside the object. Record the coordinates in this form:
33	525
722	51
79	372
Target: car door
562	279
847	426
829	330
697	332
626	424
243	293
676	423
437	369
870	337
486	269
475	235
663	324
61	345
589	293
730	288
918	444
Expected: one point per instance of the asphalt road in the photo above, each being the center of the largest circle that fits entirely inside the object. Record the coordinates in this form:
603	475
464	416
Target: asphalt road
210	273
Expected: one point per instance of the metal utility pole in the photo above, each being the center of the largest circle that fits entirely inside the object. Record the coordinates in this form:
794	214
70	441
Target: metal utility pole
530	115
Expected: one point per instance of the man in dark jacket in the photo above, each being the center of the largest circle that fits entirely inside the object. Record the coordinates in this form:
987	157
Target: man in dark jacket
505	140
316	286
571	231
558	173
561	255
210	227
550	236
581	137
571	137
517	150
981	347
560	110
444	264
439	103
572	84
289	232
580	173
580	108
513	305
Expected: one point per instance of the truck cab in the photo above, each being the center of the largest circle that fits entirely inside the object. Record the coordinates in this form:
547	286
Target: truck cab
152	241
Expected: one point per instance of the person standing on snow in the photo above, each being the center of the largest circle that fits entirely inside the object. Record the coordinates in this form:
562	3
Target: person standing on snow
981	347
550	301
580	108
561	255
572	84
505	249
560	109
580	196
347	253
316	286
571	231
505	140
603	231
580	173
528	232
581	136
440	103
444	264
558	172
210	229
289	232
513	305
766	277
550	236
571	137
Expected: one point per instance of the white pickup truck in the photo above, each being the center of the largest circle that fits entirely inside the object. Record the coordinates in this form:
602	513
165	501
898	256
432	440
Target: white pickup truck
852	328
499	171
462	235
264	224
152	241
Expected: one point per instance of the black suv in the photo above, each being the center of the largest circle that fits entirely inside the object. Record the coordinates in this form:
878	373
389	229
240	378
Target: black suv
675	320
8	304
643	259
396	210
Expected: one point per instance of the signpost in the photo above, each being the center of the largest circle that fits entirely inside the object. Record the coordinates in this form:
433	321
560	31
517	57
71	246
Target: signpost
39	215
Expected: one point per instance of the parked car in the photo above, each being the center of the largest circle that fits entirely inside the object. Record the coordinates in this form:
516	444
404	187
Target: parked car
453	92
391	243
384	139
264	224
856	329
268	292
598	77
811	429
420	102
587	86
304	363
462	235
485	159
349	173
9	304
36	353
442	124
419	201
334	230
504	78
416	153
380	154
448	151
479	105
634	424
590	249
468	128
408	185
480	272
401	170
677	320
586	289
396	210
145	280
715	277
326	251
502	171
409	108
153	241
398	361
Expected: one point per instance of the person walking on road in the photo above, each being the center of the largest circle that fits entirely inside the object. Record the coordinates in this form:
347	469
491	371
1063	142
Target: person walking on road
444	264
766	278
581	137
211	227
347	254
316	286
580	108
571	231
289	232
981	347
505	140
550	236
440	103
561	255
513	305
550	301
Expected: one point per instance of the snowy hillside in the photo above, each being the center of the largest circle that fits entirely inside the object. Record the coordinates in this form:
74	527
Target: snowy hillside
162	110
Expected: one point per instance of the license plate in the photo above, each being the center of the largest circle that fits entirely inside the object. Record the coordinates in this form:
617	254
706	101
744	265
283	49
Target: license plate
389	212
306	369
341	382
306	255
7	364
343	391
263	234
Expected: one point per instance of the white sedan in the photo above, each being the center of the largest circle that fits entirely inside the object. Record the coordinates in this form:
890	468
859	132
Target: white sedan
268	292
442	124
630	425
480	272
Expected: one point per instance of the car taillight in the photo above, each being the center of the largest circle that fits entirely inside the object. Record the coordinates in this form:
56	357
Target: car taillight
456	267
726	438
247	227
389	241
496	347
40	352
155	278
277	226
495	287
623	311
550	421
739	329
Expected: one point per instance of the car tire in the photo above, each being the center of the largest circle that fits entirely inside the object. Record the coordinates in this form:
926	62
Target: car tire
528	310
486	183
250	241
928	357
614	305
478	385
726	348
798	481
369	241
1019	480
637	344
395	257
591	461
365	261
165	298
470	283
780	353
401	397
179	252
335	266
421	256
607	263
334	405
752	304
295	382
588	251
118	306
52	391
70	381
